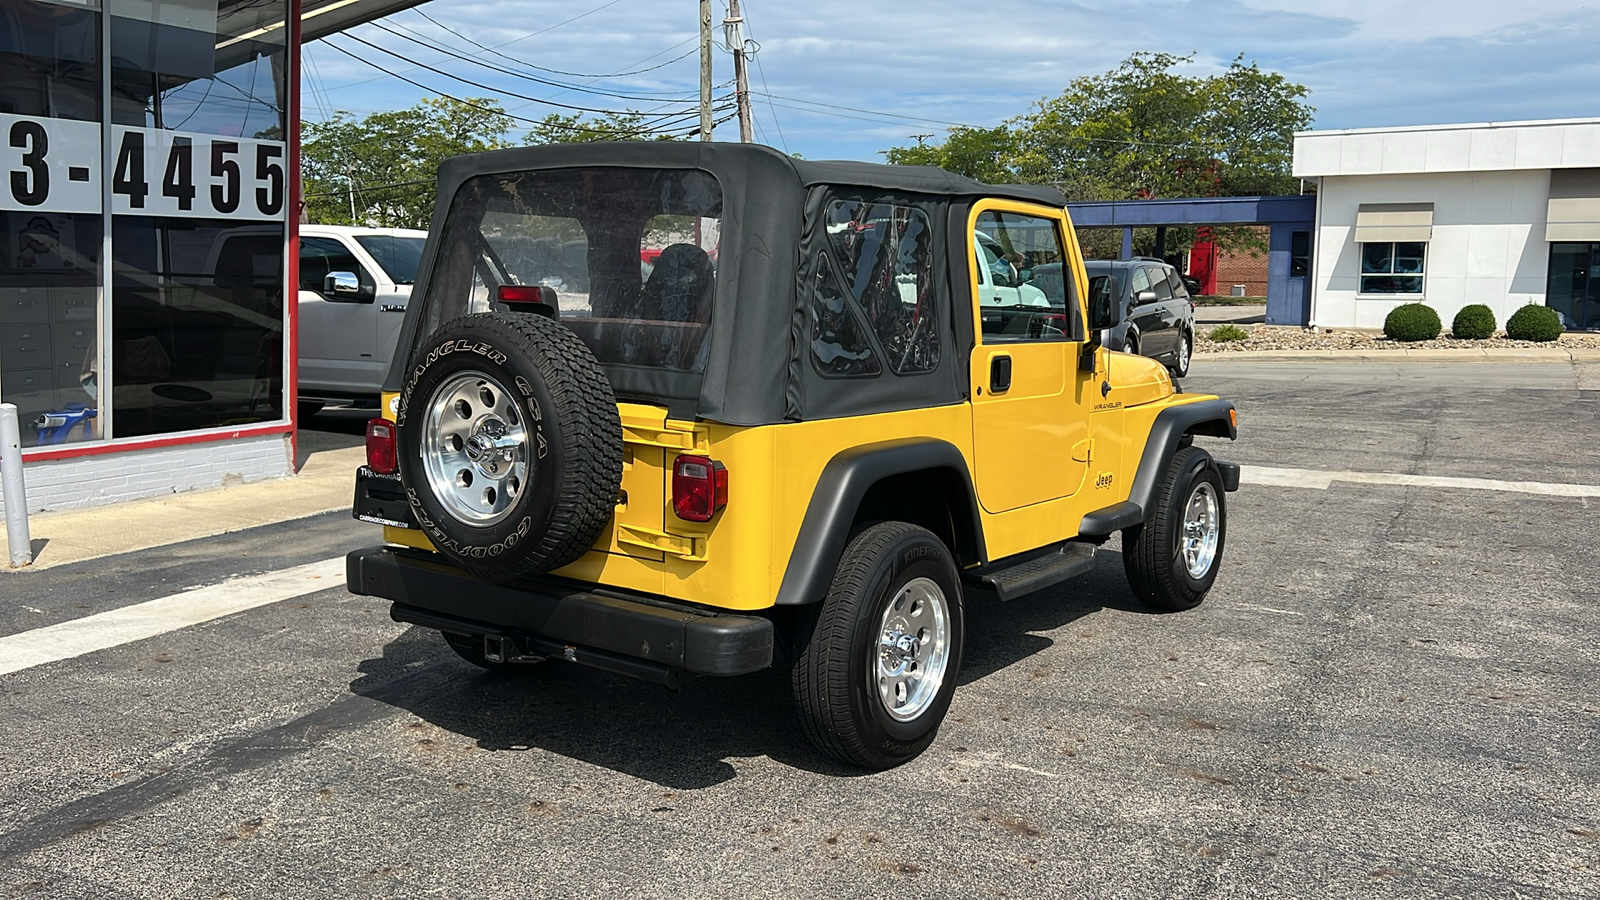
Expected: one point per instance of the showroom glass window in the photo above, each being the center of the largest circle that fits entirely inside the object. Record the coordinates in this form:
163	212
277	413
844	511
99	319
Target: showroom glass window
199	193
1393	268
51	230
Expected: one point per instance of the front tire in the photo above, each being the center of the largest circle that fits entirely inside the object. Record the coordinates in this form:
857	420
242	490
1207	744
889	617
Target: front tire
873	682
1172	559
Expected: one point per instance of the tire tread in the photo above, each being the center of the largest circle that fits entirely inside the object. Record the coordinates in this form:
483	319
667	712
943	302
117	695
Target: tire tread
591	431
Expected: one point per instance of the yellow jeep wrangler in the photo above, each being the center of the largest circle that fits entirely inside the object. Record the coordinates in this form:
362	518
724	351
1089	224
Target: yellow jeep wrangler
694	409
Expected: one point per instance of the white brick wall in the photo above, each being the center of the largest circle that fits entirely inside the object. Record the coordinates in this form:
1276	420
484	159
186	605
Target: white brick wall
113	477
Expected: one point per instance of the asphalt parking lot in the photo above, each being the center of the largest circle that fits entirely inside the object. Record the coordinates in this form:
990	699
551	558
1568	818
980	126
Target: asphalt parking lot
1391	692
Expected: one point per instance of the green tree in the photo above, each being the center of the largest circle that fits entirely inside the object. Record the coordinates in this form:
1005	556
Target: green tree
382	170
1143	130
559	129
986	154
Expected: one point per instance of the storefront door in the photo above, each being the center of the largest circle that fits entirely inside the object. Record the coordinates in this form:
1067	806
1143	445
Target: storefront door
1574	284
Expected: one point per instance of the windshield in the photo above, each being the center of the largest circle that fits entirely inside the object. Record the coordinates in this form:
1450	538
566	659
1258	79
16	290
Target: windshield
1104	273
396	255
628	256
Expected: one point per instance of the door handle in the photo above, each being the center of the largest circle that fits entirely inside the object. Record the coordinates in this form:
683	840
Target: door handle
1000	374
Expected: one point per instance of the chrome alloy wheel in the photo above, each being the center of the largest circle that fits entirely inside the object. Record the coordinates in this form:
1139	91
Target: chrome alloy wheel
1184	351
913	649
475	449
1202	527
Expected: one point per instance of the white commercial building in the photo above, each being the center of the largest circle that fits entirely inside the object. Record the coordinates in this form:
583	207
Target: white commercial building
1501	214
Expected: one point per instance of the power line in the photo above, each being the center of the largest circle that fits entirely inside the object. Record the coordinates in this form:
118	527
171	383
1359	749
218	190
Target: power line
530	65
760	70
395	185
537	80
870	112
482	86
478	106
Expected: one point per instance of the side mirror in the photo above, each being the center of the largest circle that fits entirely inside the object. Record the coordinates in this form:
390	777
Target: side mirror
1104	312
1145	297
346	287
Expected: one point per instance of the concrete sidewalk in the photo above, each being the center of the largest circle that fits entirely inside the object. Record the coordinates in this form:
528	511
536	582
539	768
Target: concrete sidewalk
325	483
1399	355
1244	314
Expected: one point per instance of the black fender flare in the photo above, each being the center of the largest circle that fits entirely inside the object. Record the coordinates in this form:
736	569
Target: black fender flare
1207	417
844	482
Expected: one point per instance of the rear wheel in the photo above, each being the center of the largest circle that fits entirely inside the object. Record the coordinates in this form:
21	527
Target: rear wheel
1180	365
874	680
1172	559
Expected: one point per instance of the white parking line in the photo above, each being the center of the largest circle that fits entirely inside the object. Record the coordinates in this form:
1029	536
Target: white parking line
142	620
1322	480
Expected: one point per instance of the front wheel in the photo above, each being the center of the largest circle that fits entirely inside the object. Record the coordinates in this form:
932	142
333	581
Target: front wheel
875	678
1172	559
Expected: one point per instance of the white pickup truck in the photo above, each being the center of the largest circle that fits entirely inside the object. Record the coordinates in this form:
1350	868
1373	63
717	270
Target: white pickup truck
354	286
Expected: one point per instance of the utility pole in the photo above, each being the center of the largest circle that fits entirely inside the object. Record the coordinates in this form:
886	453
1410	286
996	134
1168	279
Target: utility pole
705	70
733	29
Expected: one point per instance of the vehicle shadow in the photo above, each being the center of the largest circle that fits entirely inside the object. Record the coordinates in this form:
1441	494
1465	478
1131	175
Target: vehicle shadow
684	740
1002	634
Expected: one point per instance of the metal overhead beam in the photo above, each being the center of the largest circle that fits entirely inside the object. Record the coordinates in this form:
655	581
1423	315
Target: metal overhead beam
320	18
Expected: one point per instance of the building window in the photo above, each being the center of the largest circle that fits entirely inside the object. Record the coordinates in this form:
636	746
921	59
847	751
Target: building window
51	228
1299	254
1393	268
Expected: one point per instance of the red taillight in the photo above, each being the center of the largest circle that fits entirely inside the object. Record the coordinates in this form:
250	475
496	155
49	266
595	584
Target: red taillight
524	293
381	456
699	488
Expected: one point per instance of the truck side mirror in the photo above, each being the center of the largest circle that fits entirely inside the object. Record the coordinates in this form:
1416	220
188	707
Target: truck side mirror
346	287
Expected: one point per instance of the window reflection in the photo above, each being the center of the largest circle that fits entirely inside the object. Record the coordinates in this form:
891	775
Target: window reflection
200	66
49	256
197	312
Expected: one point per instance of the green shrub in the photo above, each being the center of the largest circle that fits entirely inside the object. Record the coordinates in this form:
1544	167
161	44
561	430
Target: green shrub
1534	323
1412	322
1473	323
1225	334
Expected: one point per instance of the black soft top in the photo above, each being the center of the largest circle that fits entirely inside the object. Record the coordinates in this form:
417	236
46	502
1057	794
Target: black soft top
754	373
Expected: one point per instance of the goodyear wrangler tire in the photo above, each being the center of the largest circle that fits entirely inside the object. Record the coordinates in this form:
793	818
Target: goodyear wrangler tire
1172	559
510	444
873	682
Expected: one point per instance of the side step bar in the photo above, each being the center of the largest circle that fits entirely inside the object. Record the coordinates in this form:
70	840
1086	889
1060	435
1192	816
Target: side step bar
1011	578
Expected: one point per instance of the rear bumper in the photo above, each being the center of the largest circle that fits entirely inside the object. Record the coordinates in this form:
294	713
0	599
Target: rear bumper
637	636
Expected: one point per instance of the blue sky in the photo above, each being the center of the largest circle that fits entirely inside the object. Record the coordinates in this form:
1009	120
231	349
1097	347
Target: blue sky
849	79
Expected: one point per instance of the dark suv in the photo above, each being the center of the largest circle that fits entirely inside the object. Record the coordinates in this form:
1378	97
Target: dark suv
1157	313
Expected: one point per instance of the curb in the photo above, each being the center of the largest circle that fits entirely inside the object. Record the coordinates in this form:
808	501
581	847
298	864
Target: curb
1551	355
324	484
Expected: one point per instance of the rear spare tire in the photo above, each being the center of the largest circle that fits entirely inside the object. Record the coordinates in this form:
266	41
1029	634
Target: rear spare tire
510	446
